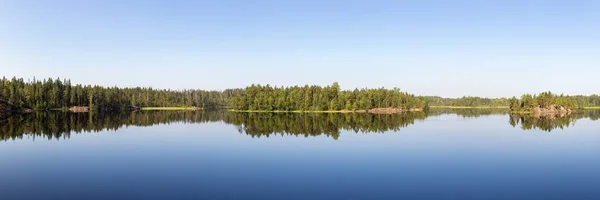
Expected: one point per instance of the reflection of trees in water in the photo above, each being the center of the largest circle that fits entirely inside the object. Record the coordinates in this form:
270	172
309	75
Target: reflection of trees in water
56	125
529	122
314	124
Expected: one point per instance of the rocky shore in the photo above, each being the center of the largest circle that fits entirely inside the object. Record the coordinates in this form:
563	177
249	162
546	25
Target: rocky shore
552	111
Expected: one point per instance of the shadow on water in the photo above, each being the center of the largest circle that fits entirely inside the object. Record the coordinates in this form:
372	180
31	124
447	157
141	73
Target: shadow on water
60	125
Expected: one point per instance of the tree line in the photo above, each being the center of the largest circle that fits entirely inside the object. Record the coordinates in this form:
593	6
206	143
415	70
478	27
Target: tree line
56	93
317	98
467	101
544	100
61	93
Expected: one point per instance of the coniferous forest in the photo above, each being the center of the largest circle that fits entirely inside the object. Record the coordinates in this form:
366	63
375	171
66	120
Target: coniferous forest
317	98
467	101
546	100
56	93
45	94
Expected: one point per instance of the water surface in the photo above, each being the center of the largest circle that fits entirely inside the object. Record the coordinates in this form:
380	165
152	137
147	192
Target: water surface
443	154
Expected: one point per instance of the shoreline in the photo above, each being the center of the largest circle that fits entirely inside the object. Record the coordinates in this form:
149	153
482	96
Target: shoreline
372	111
295	111
477	107
171	108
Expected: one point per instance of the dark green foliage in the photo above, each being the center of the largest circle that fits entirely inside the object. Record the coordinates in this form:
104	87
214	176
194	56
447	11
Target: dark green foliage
317	98
56	93
543	100
514	103
50	93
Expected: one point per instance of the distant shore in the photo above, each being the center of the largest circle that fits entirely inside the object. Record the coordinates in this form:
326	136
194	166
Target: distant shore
468	106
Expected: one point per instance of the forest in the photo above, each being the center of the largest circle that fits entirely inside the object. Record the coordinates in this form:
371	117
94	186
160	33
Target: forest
467	101
56	93
317	98
580	100
46	94
546	100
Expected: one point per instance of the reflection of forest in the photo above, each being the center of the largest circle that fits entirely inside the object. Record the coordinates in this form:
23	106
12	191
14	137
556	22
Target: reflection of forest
61	124
529	122
57	125
314	124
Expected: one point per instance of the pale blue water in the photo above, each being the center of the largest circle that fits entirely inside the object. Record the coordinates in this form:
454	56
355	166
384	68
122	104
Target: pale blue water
439	157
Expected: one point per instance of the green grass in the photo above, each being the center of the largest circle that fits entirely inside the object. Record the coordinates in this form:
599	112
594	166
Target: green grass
168	108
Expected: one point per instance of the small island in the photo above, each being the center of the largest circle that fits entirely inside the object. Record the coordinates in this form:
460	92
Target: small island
545	104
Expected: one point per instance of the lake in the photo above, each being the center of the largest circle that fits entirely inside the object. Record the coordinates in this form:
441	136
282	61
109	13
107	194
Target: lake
442	154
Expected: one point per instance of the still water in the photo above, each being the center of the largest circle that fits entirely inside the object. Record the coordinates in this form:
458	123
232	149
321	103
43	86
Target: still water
443	154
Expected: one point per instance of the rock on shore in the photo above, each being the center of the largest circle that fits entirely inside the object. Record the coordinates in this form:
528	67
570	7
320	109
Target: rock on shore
554	111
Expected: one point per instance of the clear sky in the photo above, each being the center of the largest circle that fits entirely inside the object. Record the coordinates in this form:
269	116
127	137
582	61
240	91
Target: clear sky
445	48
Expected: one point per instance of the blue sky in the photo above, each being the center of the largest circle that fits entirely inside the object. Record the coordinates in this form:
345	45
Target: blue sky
479	48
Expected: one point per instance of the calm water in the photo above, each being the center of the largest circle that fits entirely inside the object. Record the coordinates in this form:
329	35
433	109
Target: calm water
445	154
